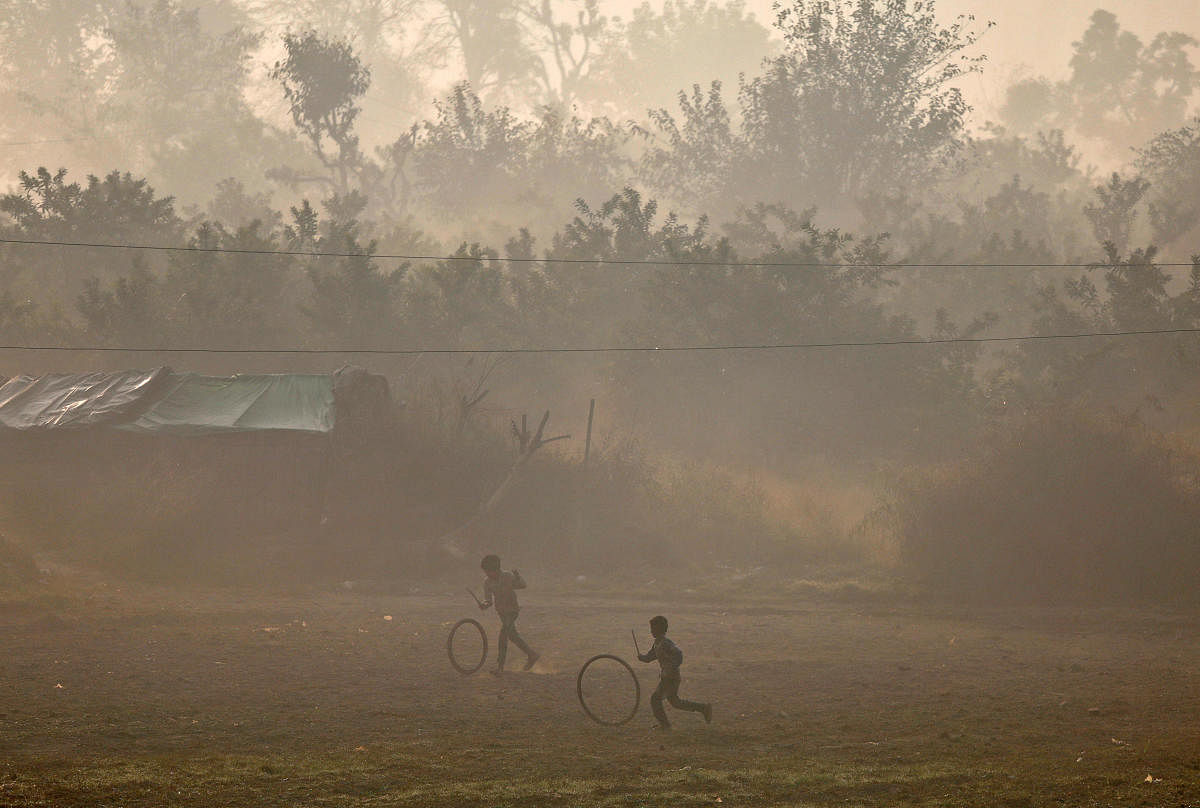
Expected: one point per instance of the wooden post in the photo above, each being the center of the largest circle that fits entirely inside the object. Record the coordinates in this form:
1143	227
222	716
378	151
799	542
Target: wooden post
587	444
581	485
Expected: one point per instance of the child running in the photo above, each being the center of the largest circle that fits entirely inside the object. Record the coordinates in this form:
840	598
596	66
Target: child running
500	587
669	659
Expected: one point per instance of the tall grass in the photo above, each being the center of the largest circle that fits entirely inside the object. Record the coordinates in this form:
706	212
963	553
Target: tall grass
1062	507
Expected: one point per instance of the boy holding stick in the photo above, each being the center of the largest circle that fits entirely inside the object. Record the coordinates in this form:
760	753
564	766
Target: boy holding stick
669	659
500	587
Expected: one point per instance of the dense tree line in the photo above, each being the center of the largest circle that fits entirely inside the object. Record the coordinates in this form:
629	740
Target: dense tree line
846	145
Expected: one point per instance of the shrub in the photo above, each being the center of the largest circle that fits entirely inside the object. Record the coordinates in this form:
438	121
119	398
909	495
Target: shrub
1063	508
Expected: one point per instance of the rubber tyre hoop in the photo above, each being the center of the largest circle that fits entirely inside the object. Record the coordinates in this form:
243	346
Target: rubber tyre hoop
637	691
465	671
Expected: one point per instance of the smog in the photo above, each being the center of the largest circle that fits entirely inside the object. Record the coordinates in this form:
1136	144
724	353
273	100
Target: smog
597	403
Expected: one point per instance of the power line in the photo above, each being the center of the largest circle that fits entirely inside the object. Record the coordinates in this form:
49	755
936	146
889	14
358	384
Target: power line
131	130
607	261
58	140
612	349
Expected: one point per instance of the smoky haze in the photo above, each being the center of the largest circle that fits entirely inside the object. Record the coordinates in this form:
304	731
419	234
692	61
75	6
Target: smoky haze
873	240
856	340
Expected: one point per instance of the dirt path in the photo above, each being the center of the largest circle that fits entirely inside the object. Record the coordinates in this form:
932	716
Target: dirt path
227	699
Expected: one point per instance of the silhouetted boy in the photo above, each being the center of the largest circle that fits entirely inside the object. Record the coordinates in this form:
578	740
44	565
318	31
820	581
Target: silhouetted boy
500	587
669	659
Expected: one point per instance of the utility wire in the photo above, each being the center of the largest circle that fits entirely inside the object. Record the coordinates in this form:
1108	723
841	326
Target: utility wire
614	349
58	140
609	261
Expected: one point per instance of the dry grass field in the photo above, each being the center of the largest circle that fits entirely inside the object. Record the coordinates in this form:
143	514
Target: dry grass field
119	696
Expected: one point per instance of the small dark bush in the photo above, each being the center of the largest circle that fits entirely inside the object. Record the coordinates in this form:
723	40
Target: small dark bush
1065	508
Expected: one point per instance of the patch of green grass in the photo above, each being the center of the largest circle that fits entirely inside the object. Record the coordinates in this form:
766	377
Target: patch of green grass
392	777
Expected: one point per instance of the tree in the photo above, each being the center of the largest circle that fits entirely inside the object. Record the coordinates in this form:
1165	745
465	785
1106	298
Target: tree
176	96
1126	292
117	209
1171	161
368	25
1120	90
570	157
244	297
384	34
1112	215
861	101
353	301
462	301
497	61
480	161
646	61
565	49
1031	105
130	313
21	320
1123	91
142	85
53	69
684	285
322	80
469	154
693	160
236	207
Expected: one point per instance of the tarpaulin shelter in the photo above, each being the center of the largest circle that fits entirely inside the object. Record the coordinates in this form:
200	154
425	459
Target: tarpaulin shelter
161	401
165	402
76	400
235	455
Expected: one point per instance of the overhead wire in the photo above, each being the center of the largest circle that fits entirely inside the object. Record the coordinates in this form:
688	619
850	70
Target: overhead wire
585	349
774	346
590	261
58	140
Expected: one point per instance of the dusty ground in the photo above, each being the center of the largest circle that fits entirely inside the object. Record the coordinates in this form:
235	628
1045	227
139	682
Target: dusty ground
128	698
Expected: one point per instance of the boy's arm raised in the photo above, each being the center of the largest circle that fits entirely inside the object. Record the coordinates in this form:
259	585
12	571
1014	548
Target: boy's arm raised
518	581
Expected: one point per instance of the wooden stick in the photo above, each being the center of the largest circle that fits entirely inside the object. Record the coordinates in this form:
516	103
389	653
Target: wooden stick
635	642
478	602
587	445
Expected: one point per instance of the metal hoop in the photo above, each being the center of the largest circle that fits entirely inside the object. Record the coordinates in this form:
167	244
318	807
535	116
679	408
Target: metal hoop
637	691
464	670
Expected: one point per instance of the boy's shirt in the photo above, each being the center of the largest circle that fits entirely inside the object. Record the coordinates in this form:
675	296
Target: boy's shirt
668	655
501	591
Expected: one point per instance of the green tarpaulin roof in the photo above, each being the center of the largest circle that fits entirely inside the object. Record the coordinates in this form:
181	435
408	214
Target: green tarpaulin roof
196	404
